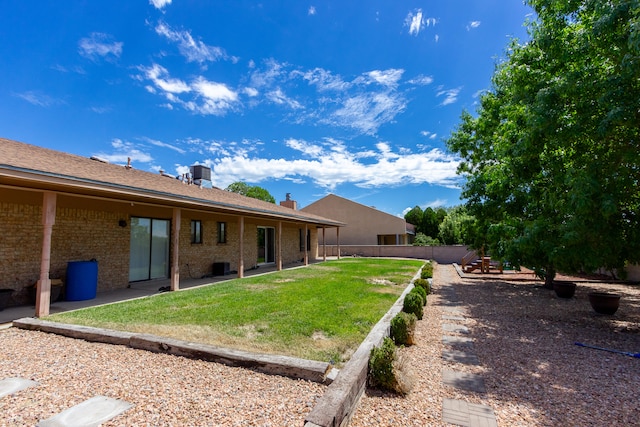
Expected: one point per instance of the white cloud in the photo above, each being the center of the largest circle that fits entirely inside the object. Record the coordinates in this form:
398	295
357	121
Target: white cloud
124	150
421	80
414	22
387	78
163	145
159	4
304	147
274	72
324	80
160	77
472	25
194	51
450	95
217	97
99	45
38	98
312	10
277	96
330	167
204	96
428	134
249	91
367	112
100	110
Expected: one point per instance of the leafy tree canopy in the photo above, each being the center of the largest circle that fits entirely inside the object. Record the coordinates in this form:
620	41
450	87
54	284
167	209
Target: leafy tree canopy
252	191
552	159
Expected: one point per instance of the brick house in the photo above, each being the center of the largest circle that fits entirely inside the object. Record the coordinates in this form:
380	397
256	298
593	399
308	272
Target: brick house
57	207
364	225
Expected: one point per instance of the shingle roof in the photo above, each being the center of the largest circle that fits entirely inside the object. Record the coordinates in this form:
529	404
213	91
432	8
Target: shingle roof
36	167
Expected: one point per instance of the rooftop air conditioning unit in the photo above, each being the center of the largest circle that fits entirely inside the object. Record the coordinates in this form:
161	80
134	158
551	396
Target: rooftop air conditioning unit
201	172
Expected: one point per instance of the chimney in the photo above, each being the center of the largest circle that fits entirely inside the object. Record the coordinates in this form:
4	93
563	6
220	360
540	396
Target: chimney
288	203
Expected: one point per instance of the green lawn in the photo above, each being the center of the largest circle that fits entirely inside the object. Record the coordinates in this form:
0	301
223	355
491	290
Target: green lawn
320	312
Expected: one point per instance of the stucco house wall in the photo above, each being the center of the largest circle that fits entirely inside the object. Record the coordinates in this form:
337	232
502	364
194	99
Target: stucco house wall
364	224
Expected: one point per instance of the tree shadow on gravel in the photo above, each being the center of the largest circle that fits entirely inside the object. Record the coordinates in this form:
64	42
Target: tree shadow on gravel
525	337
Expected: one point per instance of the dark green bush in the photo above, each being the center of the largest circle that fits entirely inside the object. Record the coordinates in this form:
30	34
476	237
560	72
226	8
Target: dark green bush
423	283
387	371
422	292
427	271
403	327
413	304
381	365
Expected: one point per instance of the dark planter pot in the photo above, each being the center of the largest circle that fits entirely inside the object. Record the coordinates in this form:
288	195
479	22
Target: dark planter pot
604	302
564	289
5	296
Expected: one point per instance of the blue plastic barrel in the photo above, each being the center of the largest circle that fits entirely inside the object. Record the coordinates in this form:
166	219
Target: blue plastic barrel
82	280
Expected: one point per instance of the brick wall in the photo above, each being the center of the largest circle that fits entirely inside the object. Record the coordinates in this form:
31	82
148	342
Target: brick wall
21	247
78	235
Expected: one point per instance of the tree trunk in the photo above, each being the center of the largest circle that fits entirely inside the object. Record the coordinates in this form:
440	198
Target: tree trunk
550	274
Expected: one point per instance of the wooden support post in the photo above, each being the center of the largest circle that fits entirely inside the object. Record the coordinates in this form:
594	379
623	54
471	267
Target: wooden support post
324	246
175	249
279	247
338	240
241	247
43	289
306	244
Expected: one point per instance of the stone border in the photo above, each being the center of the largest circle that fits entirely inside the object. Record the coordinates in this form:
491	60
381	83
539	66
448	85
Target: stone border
320	372
338	403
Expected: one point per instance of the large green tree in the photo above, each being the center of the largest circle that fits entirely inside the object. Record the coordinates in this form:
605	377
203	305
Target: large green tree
252	191
552	157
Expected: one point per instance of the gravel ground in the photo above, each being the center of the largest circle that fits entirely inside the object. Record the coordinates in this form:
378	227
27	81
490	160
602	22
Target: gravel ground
524	338
166	390
523	335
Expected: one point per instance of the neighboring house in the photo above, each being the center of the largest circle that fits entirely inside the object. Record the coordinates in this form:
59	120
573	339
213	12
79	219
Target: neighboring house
57	207
364	225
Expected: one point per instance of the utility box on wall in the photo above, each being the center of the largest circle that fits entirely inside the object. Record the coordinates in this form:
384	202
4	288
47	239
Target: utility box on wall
220	268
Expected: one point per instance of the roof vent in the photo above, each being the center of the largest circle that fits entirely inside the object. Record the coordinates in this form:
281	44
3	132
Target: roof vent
98	159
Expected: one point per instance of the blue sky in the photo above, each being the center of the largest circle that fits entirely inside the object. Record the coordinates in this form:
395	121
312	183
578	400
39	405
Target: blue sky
347	97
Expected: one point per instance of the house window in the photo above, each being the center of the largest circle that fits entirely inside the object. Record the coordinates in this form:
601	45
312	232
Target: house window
196	231
222	232
302	240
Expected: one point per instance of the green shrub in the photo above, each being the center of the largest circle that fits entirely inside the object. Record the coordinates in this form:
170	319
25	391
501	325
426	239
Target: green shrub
413	304
403	327
422	292
423	283
386	371
381	365
427	271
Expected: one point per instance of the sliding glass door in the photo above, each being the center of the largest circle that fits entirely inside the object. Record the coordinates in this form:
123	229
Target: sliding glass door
149	249
266	245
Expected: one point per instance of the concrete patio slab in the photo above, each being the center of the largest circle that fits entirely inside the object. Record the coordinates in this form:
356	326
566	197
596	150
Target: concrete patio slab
90	413
463	357
12	385
453	340
448	327
454	318
466	414
463	381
